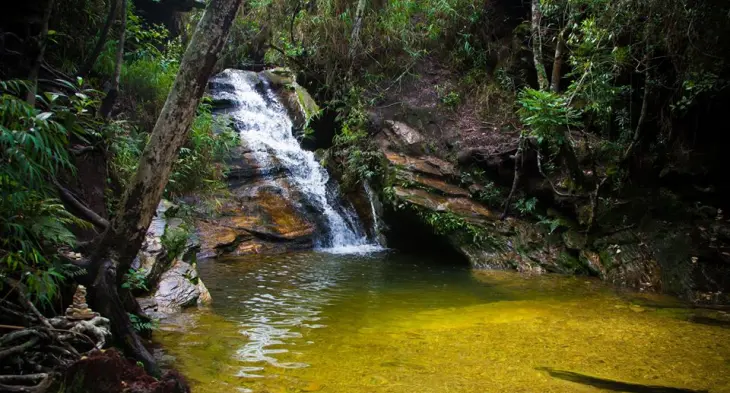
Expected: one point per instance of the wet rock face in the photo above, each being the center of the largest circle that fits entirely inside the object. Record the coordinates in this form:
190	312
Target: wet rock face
262	212
298	102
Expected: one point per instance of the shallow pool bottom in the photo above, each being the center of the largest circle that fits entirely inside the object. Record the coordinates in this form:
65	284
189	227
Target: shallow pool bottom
388	322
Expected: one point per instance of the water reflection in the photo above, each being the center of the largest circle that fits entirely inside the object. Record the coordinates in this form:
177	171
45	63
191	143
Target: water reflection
400	324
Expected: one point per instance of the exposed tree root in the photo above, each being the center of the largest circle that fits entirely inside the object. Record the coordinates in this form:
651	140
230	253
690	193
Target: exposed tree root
29	353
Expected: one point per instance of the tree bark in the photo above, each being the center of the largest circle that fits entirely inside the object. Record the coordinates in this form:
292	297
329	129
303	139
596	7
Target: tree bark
571	160
127	231
518	174
558	62
40	49
536	19
356	28
113	6
107	104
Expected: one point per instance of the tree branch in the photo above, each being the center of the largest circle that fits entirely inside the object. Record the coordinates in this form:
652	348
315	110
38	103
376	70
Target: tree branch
40	48
518	174
23	378
113	5
19	348
558	61
537	45
637	132
88	214
552	185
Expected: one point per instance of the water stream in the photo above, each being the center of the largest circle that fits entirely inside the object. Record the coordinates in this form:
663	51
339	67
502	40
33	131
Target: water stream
388	322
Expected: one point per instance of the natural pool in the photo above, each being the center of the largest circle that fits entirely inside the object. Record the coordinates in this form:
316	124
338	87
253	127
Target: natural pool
388	322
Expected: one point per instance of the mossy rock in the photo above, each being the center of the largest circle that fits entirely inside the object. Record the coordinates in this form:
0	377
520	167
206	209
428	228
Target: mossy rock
279	77
300	105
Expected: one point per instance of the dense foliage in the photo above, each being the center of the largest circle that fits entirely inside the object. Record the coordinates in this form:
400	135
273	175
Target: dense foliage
43	141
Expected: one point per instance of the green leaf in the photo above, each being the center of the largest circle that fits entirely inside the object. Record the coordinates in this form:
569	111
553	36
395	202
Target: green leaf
44	116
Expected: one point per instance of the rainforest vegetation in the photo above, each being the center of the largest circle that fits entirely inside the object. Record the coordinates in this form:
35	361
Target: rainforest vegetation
615	107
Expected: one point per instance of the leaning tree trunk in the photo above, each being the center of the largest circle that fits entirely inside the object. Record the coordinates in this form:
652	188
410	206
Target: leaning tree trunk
122	240
107	104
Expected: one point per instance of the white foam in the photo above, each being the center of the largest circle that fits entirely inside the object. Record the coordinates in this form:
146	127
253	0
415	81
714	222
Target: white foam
354	249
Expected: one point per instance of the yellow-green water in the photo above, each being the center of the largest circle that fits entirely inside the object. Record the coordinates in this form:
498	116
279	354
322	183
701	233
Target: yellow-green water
315	322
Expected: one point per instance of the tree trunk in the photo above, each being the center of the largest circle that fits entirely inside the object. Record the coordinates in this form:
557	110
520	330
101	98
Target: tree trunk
40	49
558	62
542	80
639	125
356	28
107	104
571	160
122	241
518	174
113	6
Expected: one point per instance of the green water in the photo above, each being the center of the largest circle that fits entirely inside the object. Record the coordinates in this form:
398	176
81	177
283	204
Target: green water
316	322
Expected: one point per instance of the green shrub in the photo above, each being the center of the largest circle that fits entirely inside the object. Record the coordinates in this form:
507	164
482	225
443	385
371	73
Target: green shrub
175	240
33	222
200	165
144	86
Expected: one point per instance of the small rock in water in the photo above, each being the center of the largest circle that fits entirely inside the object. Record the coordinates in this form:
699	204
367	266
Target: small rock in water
313	386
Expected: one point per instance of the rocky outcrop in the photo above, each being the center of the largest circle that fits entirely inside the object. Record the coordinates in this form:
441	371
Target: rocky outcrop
254	215
299	103
171	282
179	287
683	256
253	220
427	189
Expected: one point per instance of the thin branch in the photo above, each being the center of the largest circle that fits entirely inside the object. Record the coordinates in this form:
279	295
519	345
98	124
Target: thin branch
519	163
552	185
42	387
113	5
81	150
87	213
10	337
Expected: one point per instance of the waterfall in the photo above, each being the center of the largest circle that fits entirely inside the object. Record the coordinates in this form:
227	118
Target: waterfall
266	133
373	212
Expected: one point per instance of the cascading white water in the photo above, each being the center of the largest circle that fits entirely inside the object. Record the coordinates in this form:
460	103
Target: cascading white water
266	130
373	211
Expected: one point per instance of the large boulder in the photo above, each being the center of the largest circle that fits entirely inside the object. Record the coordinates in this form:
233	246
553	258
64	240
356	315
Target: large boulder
179	287
172	280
